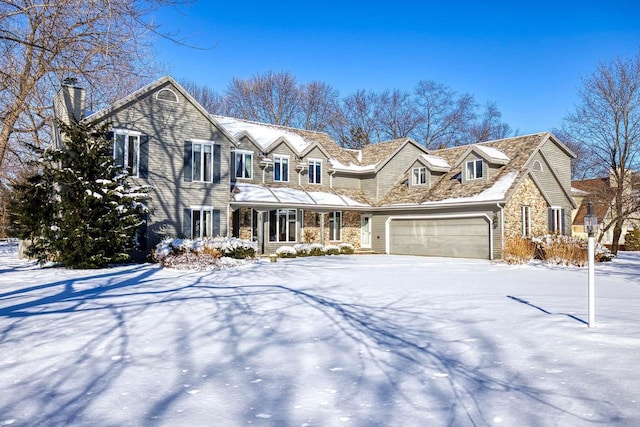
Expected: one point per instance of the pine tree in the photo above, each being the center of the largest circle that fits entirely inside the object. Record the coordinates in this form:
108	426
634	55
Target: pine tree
79	208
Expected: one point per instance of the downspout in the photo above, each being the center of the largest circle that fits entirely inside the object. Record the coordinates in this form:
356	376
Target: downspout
228	218
502	239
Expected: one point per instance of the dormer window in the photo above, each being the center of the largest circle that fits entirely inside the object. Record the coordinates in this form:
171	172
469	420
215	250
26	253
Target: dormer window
243	164
419	176
474	169
315	171
281	168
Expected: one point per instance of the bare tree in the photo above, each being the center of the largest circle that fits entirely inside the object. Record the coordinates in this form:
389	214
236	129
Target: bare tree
103	43
396	114
270	97
489	126
446	115
206	96
583	166
607	120
319	107
359	124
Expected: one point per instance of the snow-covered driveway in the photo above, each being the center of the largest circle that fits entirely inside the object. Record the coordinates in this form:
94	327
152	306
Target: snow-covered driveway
328	341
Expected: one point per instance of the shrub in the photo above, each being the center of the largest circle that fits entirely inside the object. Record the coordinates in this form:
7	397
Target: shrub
519	250
567	250
332	250
286	252
302	249
215	247
632	239
316	249
346	248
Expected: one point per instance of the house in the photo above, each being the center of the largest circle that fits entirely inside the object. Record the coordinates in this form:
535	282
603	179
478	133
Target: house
601	192
214	175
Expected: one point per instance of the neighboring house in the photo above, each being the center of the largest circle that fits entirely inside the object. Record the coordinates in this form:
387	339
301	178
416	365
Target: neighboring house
600	192
280	186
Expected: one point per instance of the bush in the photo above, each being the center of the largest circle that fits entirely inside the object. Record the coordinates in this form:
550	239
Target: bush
302	249
632	239
213	247
332	250
519	250
316	249
346	248
286	252
567	250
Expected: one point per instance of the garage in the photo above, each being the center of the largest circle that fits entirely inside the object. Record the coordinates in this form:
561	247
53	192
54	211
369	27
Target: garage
467	237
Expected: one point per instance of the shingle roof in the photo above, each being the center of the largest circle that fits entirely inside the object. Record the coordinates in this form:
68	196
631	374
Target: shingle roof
598	191
449	186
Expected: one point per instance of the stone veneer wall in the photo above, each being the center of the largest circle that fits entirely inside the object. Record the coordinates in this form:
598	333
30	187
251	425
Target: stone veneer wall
527	194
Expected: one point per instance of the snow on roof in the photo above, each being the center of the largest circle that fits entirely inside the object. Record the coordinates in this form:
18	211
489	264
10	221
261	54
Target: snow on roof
493	153
351	167
496	192
253	193
436	161
263	134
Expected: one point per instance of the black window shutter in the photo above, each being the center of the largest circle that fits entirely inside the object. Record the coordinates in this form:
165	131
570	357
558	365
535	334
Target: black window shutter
188	167
216	163
216	227
186	223
110	136
550	216
562	231
233	166
143	167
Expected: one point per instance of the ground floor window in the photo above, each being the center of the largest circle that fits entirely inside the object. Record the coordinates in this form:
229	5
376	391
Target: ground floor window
282	225
526	221
335	225
556	219
201	222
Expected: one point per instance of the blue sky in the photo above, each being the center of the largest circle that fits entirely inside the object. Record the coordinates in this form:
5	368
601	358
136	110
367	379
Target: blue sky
528	57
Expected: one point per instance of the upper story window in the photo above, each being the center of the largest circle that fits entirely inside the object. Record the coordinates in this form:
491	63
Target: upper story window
202	161
126	150
474	169
167	95
315	171
537	166
243	166
281	168
419	176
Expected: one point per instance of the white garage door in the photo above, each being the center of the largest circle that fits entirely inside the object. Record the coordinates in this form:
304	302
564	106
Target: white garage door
446	237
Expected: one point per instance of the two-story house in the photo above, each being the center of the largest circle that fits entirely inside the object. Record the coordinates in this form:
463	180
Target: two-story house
214	175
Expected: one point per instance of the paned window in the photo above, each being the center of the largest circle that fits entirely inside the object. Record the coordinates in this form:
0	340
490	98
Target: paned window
281	168
474	169
419	176
282	225
243	164
556	219
201	222
202	161
315	171
335	225
126	151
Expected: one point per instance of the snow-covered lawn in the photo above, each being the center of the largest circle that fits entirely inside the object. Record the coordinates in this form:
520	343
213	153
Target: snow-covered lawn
368	340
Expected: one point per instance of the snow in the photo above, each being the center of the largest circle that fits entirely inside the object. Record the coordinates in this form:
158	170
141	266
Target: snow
263	134
370	340
496	192
257	193
436	161
493	153
253	193
337	165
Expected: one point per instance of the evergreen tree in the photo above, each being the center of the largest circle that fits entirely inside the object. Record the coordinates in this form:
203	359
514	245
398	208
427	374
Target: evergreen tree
79	208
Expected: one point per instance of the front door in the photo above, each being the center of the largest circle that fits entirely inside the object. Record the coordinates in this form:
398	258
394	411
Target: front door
365	231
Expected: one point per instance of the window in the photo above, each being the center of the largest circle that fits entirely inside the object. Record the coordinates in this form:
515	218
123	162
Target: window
126	150
243	164
537	166
281	168
474	169
315	171
335	225
202	161
419	176
556	219
201	222
282	225
526	221
167	95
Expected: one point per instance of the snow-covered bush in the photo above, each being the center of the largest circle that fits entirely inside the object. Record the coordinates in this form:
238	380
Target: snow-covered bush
519	250
316	249
560	249
213	247
286	252
346	248
302	249
332	250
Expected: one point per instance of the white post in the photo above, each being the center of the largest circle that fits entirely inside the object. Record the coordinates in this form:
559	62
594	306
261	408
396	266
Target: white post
592	287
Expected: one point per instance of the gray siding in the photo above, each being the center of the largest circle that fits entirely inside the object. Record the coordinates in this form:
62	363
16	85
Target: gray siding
282	149
394	169
164	123
316	154
341	180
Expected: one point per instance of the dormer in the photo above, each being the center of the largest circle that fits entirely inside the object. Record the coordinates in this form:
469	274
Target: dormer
480	162
426	169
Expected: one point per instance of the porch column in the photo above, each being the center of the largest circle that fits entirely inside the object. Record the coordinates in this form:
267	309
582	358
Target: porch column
260	229
322	228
